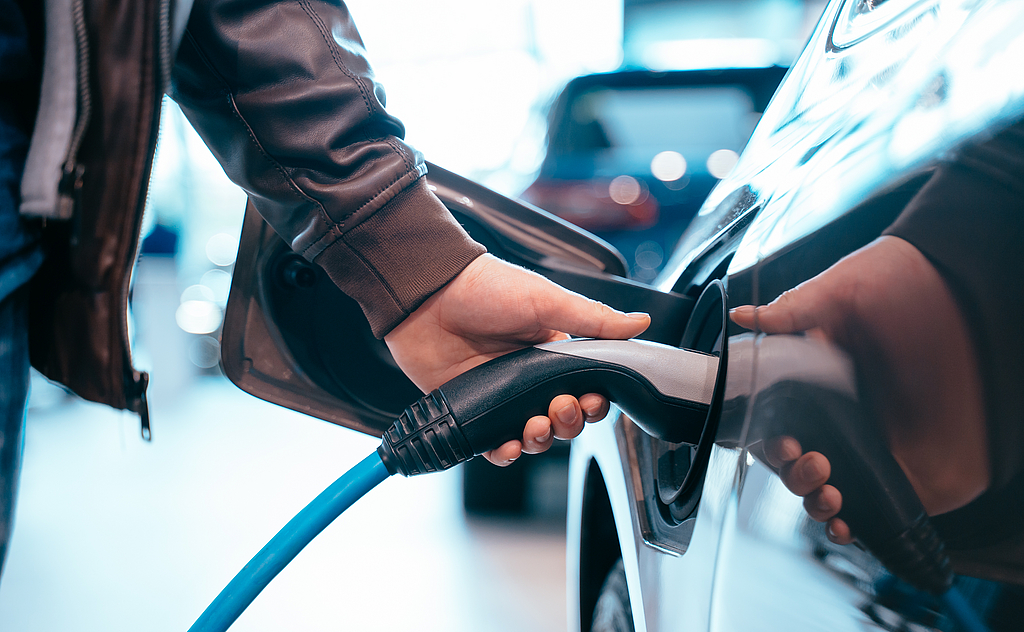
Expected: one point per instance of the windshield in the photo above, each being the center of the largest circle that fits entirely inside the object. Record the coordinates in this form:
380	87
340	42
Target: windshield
638	123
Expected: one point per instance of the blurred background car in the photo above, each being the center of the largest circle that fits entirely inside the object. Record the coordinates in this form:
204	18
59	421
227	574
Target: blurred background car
632	154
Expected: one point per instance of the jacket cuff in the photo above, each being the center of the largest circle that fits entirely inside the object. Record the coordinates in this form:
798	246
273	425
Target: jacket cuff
396	258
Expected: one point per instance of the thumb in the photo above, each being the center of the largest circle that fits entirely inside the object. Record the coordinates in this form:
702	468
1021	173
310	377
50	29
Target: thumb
802	308
561	310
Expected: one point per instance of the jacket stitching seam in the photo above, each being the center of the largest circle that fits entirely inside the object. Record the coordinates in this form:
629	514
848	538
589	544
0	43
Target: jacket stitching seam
339	225
398	150
233	106
278	166
331	47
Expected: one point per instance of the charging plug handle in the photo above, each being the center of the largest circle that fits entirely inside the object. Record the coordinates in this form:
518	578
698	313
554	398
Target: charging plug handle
667	391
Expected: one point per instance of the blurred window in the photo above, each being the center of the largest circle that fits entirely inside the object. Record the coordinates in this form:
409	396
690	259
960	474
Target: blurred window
645	121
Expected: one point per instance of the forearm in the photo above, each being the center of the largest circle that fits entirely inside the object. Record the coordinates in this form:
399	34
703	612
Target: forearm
284	96
969	222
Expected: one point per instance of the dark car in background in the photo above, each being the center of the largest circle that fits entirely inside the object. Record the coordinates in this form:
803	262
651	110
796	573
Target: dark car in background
632	154
900	118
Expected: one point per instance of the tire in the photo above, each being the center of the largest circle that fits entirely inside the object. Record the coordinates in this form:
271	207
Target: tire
612	612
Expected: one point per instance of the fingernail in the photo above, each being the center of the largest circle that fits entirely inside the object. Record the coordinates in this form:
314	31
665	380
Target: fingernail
512	460
742	309
566	414
831	531
591	412
823	503
638	315
544	439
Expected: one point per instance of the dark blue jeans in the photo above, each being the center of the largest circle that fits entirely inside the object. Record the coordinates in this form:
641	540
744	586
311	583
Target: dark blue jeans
19	256
14	378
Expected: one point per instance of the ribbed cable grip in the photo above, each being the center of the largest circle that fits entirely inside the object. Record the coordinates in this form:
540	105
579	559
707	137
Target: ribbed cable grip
918	557
425	438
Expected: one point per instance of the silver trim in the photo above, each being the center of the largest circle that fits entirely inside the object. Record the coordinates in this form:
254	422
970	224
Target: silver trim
674	372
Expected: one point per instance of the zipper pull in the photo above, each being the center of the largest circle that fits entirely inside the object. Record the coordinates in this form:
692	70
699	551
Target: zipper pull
69	189
140	405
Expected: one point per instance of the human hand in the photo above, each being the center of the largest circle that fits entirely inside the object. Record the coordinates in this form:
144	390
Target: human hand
490	309
889	308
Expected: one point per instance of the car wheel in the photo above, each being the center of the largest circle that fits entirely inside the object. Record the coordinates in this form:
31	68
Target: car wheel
612	612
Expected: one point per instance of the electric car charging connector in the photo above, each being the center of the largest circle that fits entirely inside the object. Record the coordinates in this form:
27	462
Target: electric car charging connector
667	391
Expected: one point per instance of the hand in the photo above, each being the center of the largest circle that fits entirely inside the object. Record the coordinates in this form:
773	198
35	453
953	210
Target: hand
490	309
889	308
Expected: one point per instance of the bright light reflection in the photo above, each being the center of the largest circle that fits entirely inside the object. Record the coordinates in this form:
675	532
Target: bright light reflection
649	255
721	162
198	317
668	166
222	248
624	190
204	352
197	293
219	283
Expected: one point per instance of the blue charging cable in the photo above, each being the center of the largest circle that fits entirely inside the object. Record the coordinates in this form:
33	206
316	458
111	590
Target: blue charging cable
292	538
483	408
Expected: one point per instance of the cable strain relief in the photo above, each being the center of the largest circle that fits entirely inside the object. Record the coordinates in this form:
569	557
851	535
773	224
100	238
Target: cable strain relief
425	438
918	557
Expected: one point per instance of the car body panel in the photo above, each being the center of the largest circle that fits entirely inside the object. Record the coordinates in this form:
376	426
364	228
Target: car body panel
863	119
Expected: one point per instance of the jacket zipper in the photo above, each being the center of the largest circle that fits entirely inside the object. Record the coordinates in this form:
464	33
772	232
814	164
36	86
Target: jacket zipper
139	381
73	173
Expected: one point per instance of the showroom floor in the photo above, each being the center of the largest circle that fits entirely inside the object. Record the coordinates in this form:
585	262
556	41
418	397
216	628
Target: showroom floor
113	533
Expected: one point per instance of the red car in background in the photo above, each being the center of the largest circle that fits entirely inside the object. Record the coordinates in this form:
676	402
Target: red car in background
632	154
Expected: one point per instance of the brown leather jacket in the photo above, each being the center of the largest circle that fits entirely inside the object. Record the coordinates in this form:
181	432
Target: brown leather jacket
285	98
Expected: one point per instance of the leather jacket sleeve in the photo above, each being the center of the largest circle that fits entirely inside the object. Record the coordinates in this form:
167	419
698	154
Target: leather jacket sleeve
284	97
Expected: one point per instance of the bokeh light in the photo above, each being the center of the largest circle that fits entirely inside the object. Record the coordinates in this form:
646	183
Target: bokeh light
625	190
668	166
721	162
222	248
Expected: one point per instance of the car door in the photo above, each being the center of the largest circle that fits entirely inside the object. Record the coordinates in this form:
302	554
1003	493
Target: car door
880	356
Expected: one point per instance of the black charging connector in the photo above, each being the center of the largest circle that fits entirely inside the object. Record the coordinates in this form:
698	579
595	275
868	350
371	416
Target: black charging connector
666	390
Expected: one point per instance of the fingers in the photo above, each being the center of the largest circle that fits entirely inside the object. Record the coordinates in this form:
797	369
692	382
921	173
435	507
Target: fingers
566	416
561	310
505	454
823	504
838	531
565	420
806	474
807	306
537	435
595	407
782	450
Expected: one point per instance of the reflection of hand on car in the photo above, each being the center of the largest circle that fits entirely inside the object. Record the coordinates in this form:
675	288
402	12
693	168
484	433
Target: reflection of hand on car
889	308
493	308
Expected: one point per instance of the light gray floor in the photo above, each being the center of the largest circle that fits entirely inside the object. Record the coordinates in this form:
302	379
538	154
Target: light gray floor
113	533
